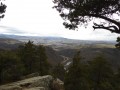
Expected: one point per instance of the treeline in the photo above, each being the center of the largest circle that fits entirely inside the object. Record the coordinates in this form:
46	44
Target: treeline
97	74
92	75
27	59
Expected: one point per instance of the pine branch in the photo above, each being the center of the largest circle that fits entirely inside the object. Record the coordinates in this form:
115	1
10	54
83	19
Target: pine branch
113	29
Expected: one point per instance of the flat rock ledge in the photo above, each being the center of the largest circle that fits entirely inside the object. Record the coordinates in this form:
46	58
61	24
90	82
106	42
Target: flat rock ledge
35	83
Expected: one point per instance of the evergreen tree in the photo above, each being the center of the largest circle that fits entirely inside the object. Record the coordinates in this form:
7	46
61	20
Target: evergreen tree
34	58
27	55
101	74
42	64
78	12
75	76
118	43
116	80
2	9
11	68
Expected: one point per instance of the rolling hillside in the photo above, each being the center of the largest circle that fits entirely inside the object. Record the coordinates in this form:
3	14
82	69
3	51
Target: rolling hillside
11	44
7	43
112	55
62	50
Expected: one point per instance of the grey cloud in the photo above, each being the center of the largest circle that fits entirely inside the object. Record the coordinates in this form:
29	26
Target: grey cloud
11	30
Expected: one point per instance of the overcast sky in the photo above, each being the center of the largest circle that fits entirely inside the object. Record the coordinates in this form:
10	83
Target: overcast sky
36	17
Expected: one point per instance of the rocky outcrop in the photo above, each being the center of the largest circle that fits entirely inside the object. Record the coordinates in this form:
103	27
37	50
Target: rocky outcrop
57	84
35	83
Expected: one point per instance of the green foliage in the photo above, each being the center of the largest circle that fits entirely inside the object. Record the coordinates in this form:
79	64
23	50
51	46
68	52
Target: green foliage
42	64
75	76
118	43
27	55
2	9
34	58
94	75
28	59
116	80
11	68
100	74
78	12
58	71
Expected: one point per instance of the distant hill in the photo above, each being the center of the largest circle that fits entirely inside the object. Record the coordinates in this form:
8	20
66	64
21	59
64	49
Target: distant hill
51	39
7	43
11	44
60	49
112	55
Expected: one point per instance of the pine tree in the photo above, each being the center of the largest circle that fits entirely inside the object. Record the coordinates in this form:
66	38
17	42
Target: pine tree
116	80
118	43
75	76
83	11
34	58
100	73
27	55
11	68
2	9
42	63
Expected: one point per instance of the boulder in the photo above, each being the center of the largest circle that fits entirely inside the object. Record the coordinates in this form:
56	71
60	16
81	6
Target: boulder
35	83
